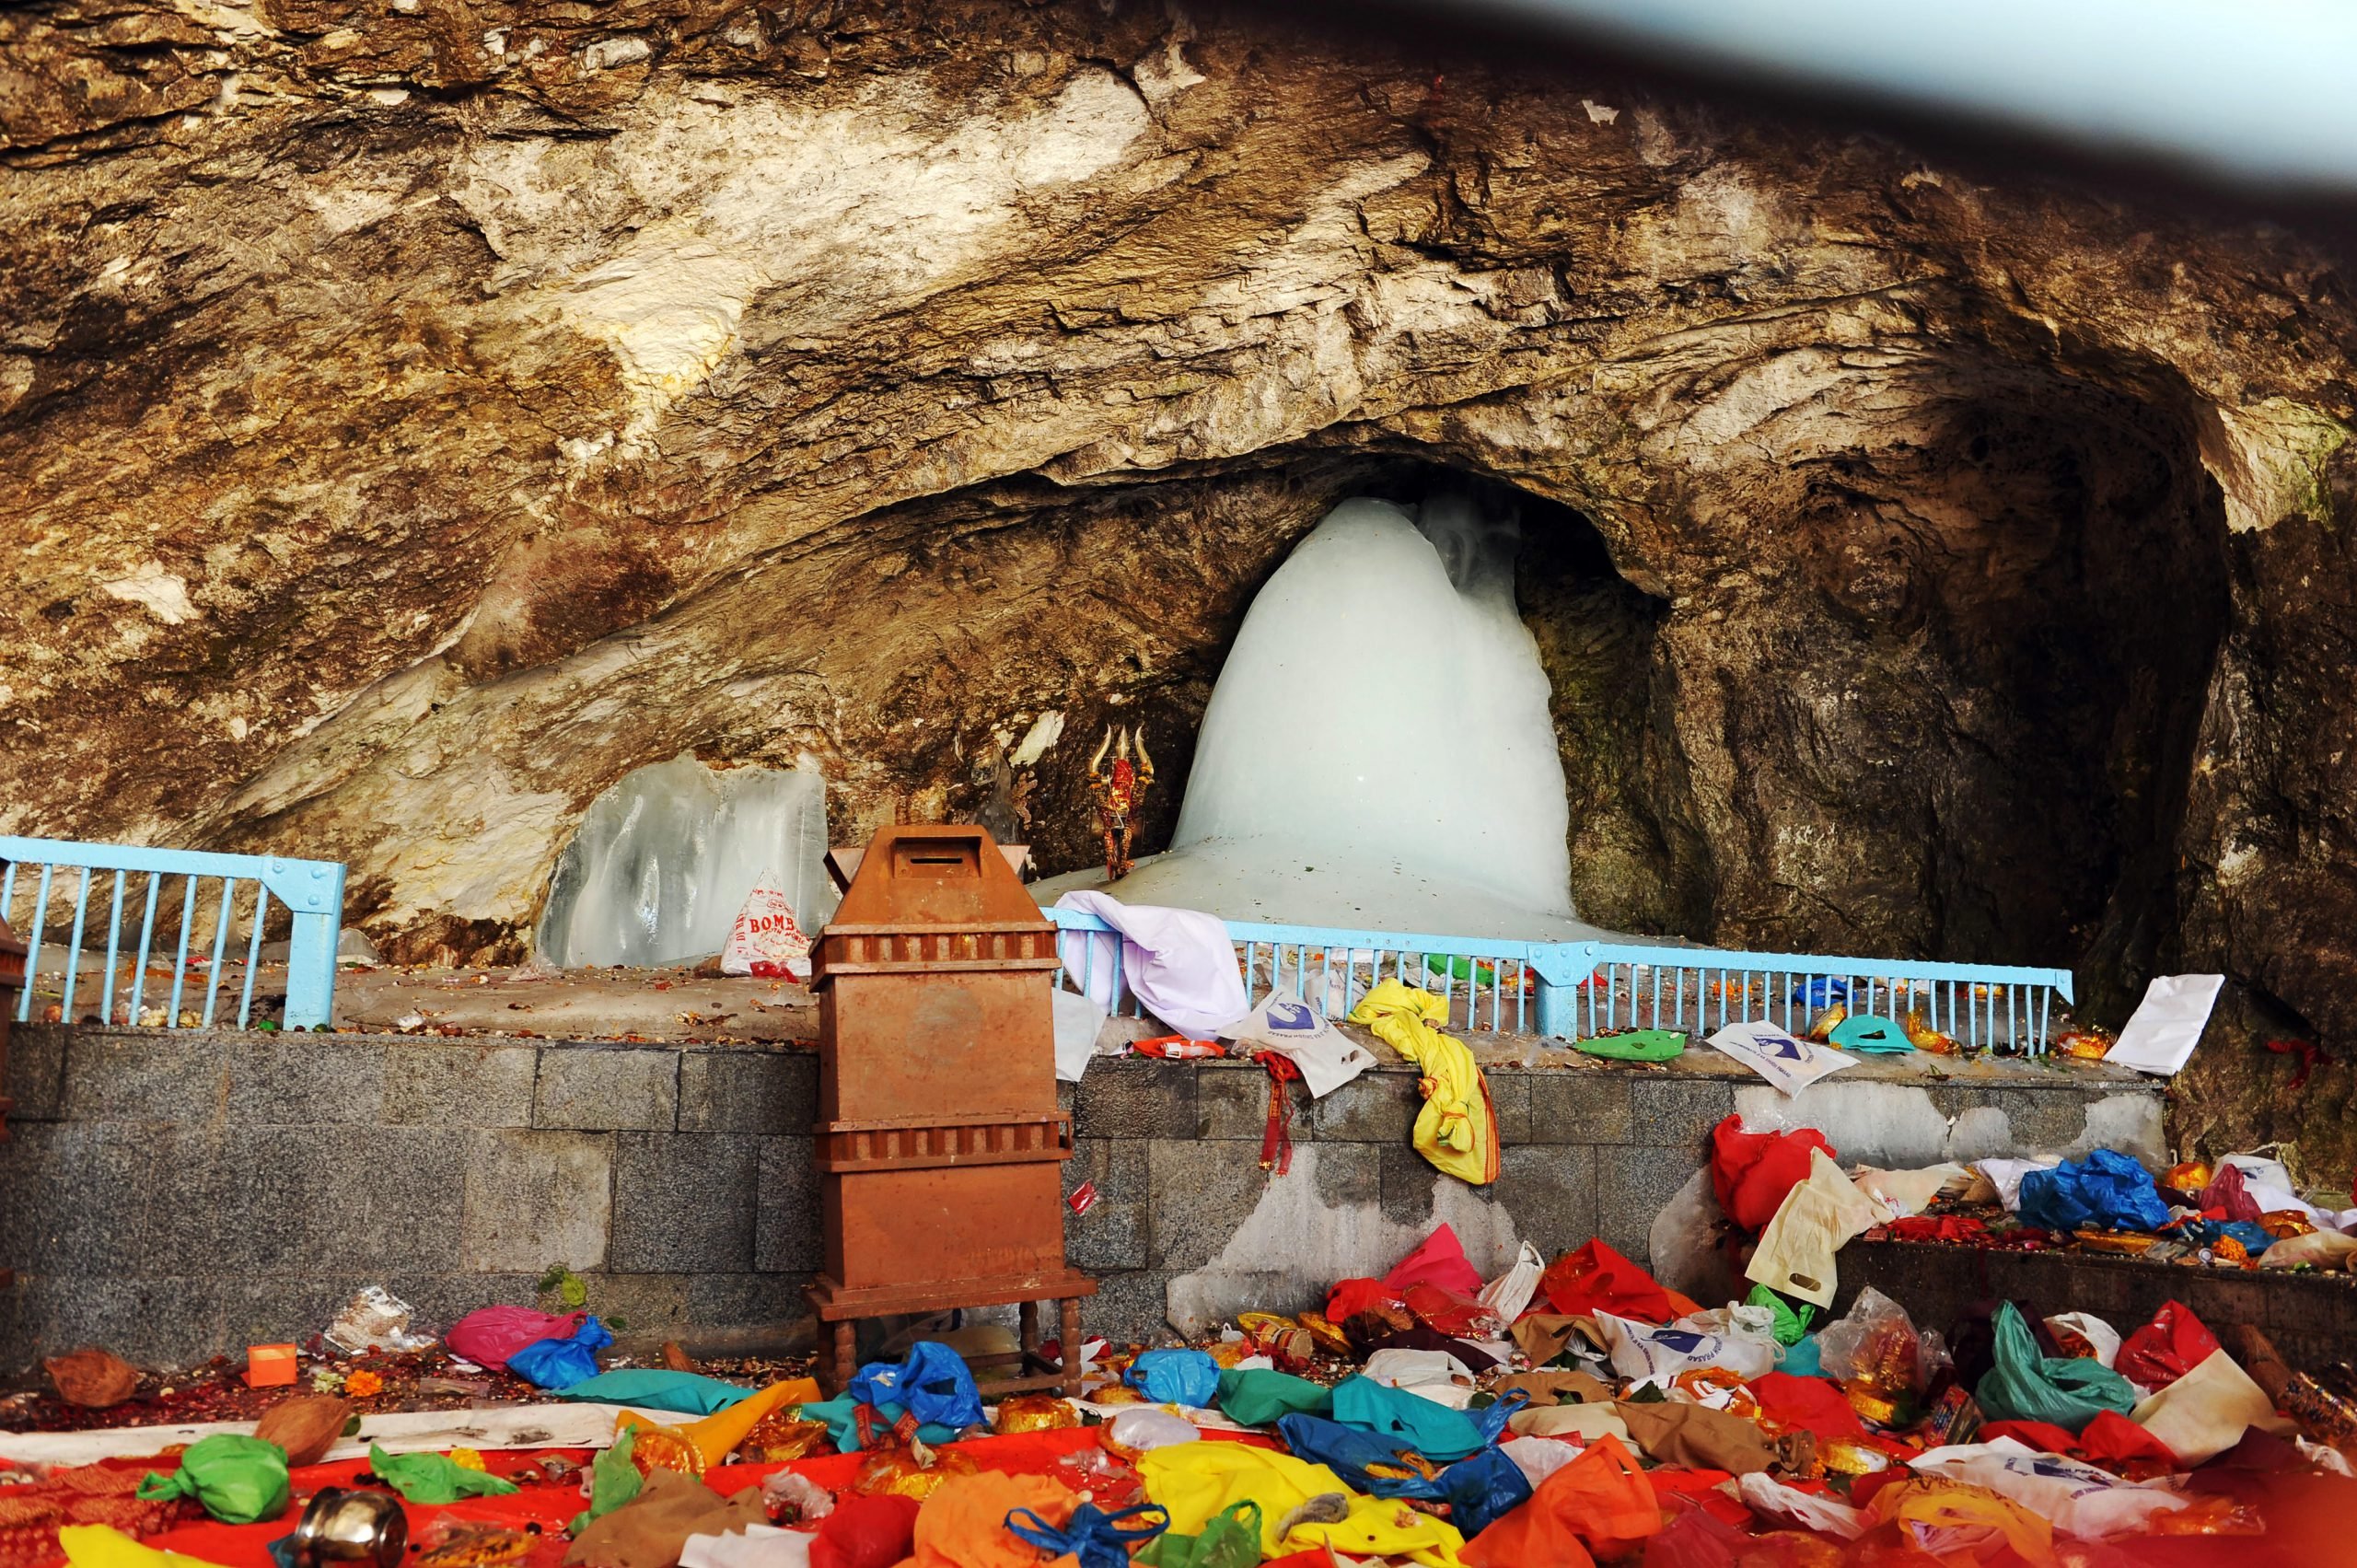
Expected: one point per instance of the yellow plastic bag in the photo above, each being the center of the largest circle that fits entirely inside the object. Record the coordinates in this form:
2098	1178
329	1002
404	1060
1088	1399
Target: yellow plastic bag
1196	1481
1385	1528
1979	1518
1457	1129
103	1546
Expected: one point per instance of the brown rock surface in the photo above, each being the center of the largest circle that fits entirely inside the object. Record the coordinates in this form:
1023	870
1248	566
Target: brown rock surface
414	416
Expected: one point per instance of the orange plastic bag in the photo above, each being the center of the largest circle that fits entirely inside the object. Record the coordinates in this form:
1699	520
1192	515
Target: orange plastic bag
1599	1502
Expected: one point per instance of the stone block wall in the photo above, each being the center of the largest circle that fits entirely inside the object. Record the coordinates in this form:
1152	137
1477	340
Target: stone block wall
178	1195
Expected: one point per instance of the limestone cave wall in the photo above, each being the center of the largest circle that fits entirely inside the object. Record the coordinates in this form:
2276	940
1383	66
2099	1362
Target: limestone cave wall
414	415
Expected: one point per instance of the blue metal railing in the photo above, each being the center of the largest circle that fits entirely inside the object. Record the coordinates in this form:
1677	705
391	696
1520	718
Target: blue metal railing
1576	990
50	872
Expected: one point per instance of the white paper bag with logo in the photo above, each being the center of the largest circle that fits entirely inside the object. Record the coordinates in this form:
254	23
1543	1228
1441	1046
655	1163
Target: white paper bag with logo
1297	1030
1791	1064
767	941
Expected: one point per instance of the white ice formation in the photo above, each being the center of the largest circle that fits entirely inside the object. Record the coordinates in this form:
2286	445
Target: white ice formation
663	860
1378	753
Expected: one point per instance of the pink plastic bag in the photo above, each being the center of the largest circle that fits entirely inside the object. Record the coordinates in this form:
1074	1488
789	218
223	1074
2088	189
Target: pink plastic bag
488	1335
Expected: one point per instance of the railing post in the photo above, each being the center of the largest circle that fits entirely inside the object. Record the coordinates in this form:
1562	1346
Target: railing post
1561	965
313	892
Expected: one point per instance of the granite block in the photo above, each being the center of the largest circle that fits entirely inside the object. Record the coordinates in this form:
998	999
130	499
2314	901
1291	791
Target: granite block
1374	1108
746	1091
599	1090
1134	1099
452	1084
534	1199
1113	1233
684	1203
785	1226
1574	1107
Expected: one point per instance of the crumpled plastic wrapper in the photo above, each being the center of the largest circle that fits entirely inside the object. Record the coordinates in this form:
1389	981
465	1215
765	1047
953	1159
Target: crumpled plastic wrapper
375	1318
1034	1413
905	1473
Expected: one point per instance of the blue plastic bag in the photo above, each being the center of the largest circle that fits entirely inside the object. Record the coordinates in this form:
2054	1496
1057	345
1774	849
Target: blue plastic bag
2108	1192
560	1363
1822	992
1802	1358
1482	1489
933	1384
1092	1535
1490	1419
2206	1233
1348	1453
658	1388
1186	1378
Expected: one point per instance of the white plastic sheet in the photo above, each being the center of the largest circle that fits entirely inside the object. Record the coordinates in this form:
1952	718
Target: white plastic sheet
1646	1353
1781	1504
1511	1292
2077	1498
2167	1024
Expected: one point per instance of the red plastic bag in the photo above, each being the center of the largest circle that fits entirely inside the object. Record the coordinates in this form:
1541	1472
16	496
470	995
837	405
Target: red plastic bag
1351	1297
488	1335
1598	1279
1440	1261
2112	1440
1751	1172
866	1532
1446	1312
1806	1404
1674	1488
2226	1198
1601	1501
2042	1436
2165	1349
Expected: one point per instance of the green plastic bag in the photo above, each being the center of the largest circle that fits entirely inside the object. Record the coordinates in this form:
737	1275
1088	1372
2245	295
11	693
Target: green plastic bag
2064	1391
434	1477
1792	1318
1257	1397
614	1480
238	1480
1638	1045
1232	1540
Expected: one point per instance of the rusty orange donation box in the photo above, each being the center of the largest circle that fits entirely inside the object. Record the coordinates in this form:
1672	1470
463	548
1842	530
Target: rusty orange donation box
939	1146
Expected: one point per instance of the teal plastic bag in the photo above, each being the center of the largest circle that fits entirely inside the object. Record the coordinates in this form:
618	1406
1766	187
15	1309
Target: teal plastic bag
236	1479
434	1477
1430	1428
2064	1391
1870	1036
1638	1045
657	1388
1802	1358
842	1422
1259	1398
614	1480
